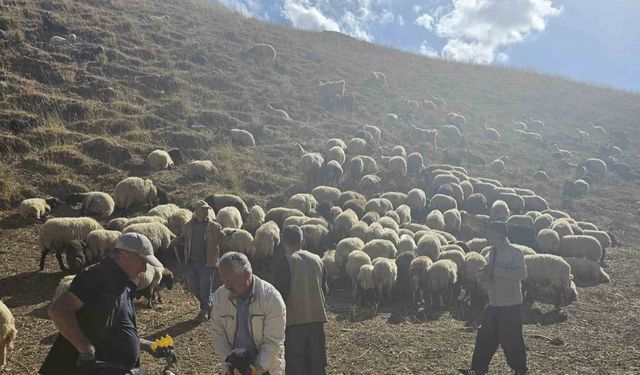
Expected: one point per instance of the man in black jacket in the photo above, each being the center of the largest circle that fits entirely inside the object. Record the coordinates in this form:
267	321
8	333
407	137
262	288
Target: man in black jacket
96	318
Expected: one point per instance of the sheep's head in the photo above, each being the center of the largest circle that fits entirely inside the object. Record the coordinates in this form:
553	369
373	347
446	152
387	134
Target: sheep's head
240	361
53	202
76	256
571	294
167	279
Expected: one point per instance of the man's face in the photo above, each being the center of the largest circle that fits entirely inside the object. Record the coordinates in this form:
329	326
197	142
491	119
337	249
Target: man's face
201	213
494	238
132	264
236	283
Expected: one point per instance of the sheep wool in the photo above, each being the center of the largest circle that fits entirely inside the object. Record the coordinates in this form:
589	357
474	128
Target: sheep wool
581	246
158	234
229	217
164	210
33	208
355	261
379	248
587	271
345	247
429	245
98	242
8	332
159	159
255	218
134	190
267	239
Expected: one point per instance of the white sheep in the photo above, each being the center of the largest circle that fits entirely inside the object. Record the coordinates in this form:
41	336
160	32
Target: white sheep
375	131
473	263
500	210
239	240
378	205
406	243
266	240
8	333
332	271
304	202
442	202
33	208
57	40
498	165
601	236
159	159
98	243
544	221
360	230
97	203
344	223
595	167
379	248
315	237
164	211
335	142
428	136
200	170
56	233
534	203
261	52
326	194
310	163
389	223
366	284
587	271
581	246
242	137
404	213
158	234
134	190
491	133
336	153
435	220
442	276
456	119
150	281
456	256
562	227
355	260
418	272
416	199
385	274
549	271
255	218
358	146
549	241
144	219
429	245
345	247
452	221
280	214
477	244
178	220
229	217
281	113
394	216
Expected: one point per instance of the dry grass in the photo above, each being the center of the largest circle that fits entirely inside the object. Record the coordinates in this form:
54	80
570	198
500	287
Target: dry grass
151	85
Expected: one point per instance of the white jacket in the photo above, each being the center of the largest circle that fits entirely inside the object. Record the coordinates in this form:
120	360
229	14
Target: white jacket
267	314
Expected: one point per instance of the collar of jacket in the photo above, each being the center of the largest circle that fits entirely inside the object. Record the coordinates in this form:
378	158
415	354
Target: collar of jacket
252	295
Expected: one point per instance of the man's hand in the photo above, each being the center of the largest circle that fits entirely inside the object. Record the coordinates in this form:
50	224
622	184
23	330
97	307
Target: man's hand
86	362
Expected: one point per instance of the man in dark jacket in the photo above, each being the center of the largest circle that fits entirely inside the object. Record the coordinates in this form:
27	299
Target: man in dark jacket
96	318
502	321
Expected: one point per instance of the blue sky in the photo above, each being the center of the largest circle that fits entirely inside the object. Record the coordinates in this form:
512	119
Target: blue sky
588	40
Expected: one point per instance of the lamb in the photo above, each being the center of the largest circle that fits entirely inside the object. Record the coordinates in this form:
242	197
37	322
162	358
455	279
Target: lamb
255	218
229	217
8	333
219	201
549	241
149	283
546	270
366	284
200	170
429	245
178	220
266	240
36	208
159	159
164	211
134	190
442	202
56	233
385	274
326	194
242	137
158	234
315	237
260	52
336	153
98	243
586	271
581	246
428	136
452	221
435	220
379	248
442	276
500	210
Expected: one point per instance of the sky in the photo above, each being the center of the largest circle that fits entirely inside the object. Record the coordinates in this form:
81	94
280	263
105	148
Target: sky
593	41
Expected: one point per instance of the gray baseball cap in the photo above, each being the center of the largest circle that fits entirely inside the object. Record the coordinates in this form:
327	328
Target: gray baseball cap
201	204
139	244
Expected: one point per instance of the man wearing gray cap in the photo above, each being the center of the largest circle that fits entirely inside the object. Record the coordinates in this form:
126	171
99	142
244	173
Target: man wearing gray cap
202	238
96	318
502	321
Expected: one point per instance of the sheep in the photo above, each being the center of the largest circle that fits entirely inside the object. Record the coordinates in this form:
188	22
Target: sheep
354	261
375	231
452	221
310	163
144	219
581	187
442	202
229	217
63	286
335	142
336	153
534	203
159	159
117	223
315	237
375	131
260	52
330	90
399	151
330	173
586	271
360	230
378	248
178	220
441	277
477	244
435	220
370	166
36	208
491	133
394	216
473	263
549	241
238	240
281	113
164	211
56	233
332	272
406	243
57	40
134	190
416	199
499	210
514	201
356	205
242	137
379	205
98	243
366	284
595	167
358	146
219	201
541	176
345	247
200	170
344	223
476	204
158	234
603	237
451	132
549	271
326	194
385	274
304	202
8	333
255	218
580	246
542	222
389	223
498	165
415	163
429	245
456	256
418	272
404	214
149	283
377	78
562	227
266	240
456	119
473	159
428	136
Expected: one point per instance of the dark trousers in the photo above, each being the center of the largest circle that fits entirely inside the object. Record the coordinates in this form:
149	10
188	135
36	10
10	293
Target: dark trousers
304	349
201	280
500	326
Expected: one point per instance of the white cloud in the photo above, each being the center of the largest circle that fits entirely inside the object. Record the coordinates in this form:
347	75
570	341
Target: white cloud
502	57
386	17
476	29
355	27
307	17
425	50
425	20
417	9
400	20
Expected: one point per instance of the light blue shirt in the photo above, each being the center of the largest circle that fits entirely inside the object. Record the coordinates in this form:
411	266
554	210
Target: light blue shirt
244	337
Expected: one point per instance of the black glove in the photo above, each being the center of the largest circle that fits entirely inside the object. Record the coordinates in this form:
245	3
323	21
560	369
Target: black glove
86	363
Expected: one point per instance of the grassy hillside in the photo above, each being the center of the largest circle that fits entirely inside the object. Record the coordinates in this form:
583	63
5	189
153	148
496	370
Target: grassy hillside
85	115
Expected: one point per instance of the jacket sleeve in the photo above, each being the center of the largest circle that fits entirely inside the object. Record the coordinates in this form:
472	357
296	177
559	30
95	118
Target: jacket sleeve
516	270
282	276
220	343
274	326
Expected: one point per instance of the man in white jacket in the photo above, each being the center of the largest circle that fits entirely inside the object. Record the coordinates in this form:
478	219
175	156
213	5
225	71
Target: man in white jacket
248	313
